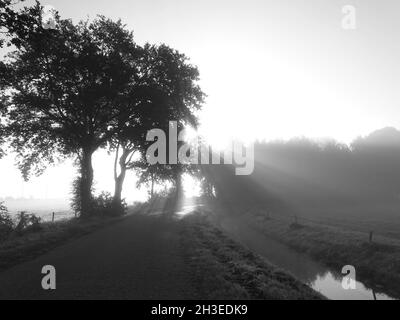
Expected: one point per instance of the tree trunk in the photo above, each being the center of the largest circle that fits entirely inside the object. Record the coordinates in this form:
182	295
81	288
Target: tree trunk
86	182
179	186
178	191
152	186
119	181
119	178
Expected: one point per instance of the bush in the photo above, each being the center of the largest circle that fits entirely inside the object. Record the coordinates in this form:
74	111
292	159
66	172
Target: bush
27	223
6	223
76	195
103	204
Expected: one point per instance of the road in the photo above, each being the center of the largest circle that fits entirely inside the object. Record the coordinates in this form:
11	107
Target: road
137	258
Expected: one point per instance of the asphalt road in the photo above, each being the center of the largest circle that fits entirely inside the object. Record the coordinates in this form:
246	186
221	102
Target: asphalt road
137	258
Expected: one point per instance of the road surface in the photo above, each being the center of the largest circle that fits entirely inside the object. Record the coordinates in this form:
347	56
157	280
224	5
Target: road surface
137	258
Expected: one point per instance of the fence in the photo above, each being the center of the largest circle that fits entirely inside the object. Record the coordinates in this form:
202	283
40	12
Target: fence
369	228
50	216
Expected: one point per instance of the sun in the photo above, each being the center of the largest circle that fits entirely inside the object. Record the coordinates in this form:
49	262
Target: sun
191	186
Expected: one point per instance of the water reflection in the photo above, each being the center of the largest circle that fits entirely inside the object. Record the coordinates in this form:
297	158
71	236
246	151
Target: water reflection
329	285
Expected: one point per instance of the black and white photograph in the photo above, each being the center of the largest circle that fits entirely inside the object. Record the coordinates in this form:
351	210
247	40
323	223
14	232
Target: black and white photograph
202	157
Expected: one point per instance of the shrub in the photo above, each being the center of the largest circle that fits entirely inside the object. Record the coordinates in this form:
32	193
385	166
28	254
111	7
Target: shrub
76	195
6	223
103	204
27	223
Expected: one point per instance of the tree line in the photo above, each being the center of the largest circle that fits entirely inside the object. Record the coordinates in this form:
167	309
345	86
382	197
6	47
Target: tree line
318	179
68	91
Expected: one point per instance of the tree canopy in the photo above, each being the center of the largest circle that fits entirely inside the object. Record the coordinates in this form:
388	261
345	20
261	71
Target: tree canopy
168	91
68	91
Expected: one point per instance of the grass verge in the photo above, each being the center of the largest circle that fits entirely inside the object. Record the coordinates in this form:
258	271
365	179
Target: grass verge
224	269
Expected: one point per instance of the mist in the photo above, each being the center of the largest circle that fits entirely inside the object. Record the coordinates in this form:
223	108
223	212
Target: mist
321	180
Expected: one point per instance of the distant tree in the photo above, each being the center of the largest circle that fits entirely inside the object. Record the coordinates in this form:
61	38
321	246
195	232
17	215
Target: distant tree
168	90
69	88
151	175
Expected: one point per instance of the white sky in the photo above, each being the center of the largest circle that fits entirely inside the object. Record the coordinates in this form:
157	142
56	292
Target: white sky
271	69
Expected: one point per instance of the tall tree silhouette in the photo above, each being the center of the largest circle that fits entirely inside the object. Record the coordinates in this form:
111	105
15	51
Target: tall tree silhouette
69	88
168	90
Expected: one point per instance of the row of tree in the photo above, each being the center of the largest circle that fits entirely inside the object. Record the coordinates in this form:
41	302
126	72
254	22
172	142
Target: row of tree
71	90
318	180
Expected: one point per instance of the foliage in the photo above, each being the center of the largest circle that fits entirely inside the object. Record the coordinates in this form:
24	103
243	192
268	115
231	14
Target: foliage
169	91
12	21
69	91
27	223
6	223
2	138
71	87
101	205
76	195
104	205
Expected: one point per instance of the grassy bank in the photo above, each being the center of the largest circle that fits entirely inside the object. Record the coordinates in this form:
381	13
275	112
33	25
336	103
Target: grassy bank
376	262
20	248
224	269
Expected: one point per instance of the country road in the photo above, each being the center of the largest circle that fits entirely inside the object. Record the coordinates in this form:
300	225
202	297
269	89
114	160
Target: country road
137	258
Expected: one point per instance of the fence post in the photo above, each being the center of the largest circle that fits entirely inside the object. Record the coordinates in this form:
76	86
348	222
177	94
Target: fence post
371	234
52	218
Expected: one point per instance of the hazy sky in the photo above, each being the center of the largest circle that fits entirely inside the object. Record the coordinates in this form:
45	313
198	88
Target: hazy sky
271	69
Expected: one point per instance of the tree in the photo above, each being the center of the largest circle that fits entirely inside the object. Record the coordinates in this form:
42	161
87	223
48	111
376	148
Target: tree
150	175
69	88
168	90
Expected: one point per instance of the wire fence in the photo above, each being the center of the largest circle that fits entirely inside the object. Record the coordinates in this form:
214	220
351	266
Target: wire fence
49	216
370	229
57	216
